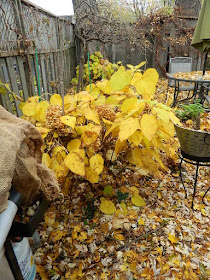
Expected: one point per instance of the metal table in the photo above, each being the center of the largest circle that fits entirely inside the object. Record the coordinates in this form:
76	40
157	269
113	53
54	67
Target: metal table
197	88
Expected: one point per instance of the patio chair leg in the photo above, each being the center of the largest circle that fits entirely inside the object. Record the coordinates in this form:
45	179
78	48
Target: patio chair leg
205	195
195	183
180	174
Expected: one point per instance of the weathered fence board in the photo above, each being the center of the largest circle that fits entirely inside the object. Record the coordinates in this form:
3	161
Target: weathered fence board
53	70
48	74
13	82
5	98
44	78
22	77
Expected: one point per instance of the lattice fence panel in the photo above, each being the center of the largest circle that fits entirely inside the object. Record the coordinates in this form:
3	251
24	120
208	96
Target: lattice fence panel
8	27
40	28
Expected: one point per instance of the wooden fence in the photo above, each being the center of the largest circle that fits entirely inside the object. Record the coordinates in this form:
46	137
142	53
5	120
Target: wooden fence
25	30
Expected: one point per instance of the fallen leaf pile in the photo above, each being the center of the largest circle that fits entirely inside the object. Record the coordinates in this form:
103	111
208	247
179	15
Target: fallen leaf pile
194	75
129	225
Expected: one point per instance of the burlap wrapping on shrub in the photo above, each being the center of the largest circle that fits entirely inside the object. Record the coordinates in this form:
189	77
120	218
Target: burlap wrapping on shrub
20	161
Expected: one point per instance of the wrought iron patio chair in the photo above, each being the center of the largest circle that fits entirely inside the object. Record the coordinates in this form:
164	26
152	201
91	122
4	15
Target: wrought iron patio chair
179	64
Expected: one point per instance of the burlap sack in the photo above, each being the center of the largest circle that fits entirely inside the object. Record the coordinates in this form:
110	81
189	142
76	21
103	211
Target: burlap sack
20	161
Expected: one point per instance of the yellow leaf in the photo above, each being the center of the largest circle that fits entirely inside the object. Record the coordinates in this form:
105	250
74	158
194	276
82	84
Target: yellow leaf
97	163
118	236
104	86
120	146
116	124
152	74
107	207
43	130
158	159
59	169
85	98
56	99
124	208
172	238
69	102
74	144
41	108
92	115
59	153
107	121
91	175
159	195
112	100
21	104
88	137
141	222
140	64
148	162
193	275
136	138
75	162
100	100
176	261
94	128
68	120
137	111
135	157
120	79
129	104
137	200
95	93
41	270
124	267
82	236
149	126
56	235
29	109
80	120
133	190
203	211
167	128
174	119
49	218
46	159
111	155
136	77
162	114
88	87
127	128
146	88
159	250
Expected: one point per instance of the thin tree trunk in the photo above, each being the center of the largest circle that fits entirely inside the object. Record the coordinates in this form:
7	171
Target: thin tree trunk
80	85
81	67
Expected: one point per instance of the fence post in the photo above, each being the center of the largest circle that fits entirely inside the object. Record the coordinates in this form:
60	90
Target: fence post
20	24
61	58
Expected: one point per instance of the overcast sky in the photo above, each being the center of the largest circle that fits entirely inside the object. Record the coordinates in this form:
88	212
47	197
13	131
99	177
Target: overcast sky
57	7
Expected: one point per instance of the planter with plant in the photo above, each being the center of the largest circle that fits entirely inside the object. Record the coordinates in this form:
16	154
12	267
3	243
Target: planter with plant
191	112
194	143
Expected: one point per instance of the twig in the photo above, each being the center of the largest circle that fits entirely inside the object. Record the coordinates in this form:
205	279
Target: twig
123	247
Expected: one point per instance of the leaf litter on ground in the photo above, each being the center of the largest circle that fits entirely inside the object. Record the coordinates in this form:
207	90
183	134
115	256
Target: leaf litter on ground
129	226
